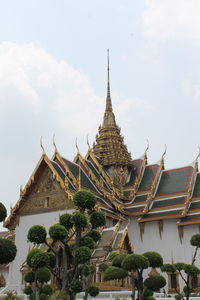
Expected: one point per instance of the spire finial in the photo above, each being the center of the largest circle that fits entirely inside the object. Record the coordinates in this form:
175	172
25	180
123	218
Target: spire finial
108	98
108	78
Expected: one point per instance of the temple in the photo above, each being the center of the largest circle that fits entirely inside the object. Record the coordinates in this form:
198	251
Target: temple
147	207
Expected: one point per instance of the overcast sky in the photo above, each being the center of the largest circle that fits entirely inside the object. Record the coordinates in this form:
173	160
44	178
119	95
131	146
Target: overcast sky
53	79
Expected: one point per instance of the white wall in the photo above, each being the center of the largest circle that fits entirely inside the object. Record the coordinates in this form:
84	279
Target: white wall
169	246
25	222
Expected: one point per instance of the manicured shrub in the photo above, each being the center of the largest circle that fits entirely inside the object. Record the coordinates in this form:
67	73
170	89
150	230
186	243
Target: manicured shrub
155	282
37	234
40	260
118	259
95	235
47	289
76	286
43	297
31	254
88	242
28	290
3	212
52	259
179	266
84	200
113	273
8	251
135	261
29	277
82	255
80	220
195	240
191	269
169	268
93	291
97	219
154	258
43	275
58	232
66	221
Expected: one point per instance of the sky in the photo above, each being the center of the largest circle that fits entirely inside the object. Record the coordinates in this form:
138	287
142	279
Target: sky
53	79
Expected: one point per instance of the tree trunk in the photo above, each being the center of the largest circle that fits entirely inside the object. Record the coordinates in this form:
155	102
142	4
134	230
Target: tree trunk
140	287
133	287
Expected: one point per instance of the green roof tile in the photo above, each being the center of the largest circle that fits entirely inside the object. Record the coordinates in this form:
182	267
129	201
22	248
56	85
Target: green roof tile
196	192
163	214
140	198
168	202
194	205
134	209
174	181
191	217
148	177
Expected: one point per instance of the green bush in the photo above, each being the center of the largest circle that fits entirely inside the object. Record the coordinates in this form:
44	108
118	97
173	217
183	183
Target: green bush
147	293
58	232
31	254
135	261
8	251
190	269
82	255
37	234
88	242
118	259
47	289
95	235
29	277
97	219
155	282
52	259
43	275
179	266
66	221
40	260
195	240
93	291
3	212
169	268
154	258
84	200
80	220
28	290
76	286
150	298
43	297
112	273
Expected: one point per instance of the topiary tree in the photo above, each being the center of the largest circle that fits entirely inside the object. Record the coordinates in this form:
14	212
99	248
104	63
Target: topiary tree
74	238
133	265
39	274
8	249
186	271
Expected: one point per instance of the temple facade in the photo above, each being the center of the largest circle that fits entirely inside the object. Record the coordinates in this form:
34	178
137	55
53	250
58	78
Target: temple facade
147	207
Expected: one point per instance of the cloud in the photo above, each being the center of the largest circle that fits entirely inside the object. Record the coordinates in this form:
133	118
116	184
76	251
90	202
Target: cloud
171	19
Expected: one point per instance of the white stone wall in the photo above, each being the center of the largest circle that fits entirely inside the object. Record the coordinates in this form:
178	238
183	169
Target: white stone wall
170	246
25	222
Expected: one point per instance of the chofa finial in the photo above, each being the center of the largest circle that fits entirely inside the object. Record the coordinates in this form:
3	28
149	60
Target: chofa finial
54	143
41	145
77	148
89	148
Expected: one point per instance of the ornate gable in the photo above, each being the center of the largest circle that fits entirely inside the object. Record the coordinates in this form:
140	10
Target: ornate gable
46	195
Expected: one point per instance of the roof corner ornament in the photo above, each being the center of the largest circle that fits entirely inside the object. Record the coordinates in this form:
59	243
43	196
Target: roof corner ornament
88	143
77	148
198	154
147	148
54	143
41	145
162	157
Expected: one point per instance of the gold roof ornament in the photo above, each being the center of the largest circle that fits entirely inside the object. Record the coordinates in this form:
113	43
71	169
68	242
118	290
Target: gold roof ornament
41	145
109	146
54	143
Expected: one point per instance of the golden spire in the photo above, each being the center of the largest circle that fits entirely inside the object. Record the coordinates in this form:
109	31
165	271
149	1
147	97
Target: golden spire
109	117
109	146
